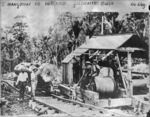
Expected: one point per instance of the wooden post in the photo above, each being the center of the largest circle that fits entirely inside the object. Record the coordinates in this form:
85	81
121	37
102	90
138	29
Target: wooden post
129	74
70	73
144	31
83	65
124	83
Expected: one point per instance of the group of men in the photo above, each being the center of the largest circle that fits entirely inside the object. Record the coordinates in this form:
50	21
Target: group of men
23	81
91	70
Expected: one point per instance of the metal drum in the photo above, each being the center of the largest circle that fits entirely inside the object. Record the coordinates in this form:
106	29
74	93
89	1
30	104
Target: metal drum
105	86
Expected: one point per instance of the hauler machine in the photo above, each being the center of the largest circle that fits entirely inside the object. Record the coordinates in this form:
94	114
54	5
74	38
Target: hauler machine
113	84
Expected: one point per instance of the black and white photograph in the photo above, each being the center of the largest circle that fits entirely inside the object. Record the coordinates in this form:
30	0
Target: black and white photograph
74	58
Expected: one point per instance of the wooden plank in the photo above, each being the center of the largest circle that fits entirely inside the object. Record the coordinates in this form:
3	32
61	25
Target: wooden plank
103	58
129	49
133	72
94	54
87	95
130	74
65	90
114	102
91	97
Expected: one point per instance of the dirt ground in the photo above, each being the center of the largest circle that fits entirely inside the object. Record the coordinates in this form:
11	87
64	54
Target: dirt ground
15	107
19	108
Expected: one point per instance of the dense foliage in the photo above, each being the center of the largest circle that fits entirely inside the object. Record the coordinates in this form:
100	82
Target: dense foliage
68	33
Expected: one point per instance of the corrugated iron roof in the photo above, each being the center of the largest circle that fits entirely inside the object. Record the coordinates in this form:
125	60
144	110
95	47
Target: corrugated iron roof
106	42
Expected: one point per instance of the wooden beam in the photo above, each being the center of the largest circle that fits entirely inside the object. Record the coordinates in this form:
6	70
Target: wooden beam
129	49
113	102
94	54
87	94
130	74
83	64
65	90
141	73
124	83
107	54
82	94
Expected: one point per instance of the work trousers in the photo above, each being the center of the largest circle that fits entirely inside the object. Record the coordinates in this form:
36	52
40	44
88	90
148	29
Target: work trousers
33	84
22	89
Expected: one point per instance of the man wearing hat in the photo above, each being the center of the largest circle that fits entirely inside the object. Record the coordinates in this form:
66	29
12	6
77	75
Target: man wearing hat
33	80
85	78
95	69
22	81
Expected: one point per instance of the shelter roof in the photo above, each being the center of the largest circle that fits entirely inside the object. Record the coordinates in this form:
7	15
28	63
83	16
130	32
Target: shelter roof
112	42
76	52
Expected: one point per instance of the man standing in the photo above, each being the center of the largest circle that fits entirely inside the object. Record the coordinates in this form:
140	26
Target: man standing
33	80
85	78
95	69
22	80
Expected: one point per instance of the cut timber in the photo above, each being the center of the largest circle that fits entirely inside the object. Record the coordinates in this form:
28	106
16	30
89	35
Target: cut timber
113	102
65	90
87	95
91	97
